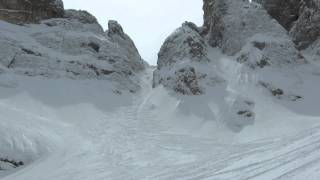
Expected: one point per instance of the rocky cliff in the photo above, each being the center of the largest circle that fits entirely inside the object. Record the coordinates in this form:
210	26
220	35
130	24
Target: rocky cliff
239	29
180	50
30	11
243	49
232	25
73	46
301	18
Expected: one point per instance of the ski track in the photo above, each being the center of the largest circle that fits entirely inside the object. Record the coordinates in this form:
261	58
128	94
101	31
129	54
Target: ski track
130	144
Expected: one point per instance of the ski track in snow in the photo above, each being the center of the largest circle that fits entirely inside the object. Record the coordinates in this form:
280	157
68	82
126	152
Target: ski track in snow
130	143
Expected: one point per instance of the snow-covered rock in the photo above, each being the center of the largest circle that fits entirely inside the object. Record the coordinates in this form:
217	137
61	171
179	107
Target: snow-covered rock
246	31
82	16
230	24
188	66
68	47
125	46
258	56
263	50
239	28
65	43
182	62
30	11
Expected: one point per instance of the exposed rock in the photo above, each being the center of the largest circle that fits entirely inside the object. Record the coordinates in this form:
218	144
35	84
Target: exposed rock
301	18
180	59
114	28
280	93
186	82
10	162
30	11
285	12
73	24
70	48
82	16
237	26
307	28
185	43
213	26
127	47
230	23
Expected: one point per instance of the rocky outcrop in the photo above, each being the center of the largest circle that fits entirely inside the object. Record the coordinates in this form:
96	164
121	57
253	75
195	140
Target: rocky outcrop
185	43
7	164
186	81
182	62
263	51
30	11
65	43
246	30
301	18
256	49
80	15
307	28
75	47
285	12
125	44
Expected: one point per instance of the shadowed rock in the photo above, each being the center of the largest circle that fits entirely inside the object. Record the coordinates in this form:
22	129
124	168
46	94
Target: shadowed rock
30	11
301	18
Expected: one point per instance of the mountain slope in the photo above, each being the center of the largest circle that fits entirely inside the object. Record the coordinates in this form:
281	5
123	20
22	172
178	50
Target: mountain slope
234	99
70	130
67	47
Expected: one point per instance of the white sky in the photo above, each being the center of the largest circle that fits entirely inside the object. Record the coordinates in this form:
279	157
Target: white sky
147	22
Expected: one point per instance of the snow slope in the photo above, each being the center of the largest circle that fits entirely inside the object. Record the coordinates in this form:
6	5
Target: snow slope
79	129
77	103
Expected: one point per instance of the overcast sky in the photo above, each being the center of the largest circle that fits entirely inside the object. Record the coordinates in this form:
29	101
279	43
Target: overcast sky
147	22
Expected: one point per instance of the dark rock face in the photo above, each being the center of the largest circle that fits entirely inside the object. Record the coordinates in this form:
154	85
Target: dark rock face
30	11
186	82
307	28
301	18
213	24
10	163
285	12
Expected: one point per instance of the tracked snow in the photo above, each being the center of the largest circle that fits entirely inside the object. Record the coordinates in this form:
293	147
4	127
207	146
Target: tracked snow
65	129
78	103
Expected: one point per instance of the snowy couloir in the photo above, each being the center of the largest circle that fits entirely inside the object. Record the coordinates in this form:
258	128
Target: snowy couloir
235	99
